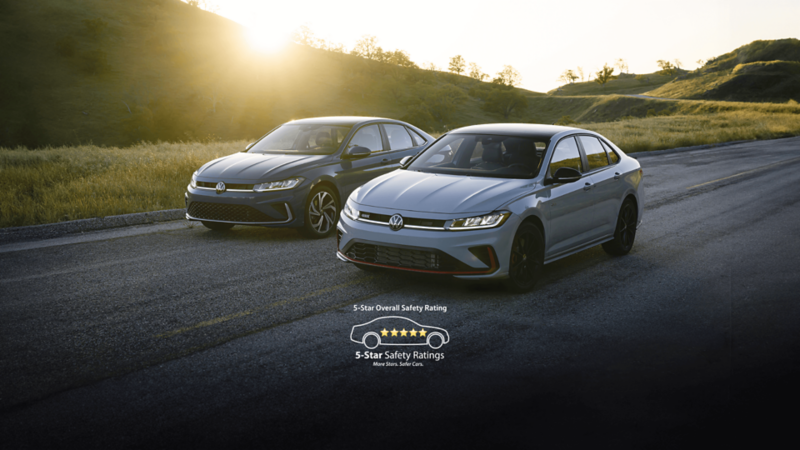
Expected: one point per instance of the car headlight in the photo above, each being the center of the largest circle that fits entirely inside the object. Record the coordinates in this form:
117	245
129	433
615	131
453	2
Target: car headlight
350	212
479	222
193	183
278	185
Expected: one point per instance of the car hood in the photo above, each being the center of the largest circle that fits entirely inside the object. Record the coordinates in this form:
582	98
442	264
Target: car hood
437	193
258	166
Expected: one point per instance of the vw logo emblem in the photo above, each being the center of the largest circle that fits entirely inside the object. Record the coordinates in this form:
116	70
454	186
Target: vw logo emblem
221	187
396	222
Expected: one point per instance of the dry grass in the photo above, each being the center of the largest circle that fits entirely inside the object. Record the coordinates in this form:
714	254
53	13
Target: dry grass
67	183
656	133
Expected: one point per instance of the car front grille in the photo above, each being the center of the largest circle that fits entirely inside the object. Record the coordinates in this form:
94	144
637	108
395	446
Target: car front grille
415	259
228	187
228	213
407	221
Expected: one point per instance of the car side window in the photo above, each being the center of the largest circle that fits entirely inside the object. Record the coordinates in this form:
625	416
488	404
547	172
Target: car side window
595	154
369	137
566	155
612	155
418	140
398	137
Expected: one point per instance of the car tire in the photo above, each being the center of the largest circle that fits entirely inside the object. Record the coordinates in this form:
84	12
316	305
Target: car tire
625	231
374	340
527	259
321	213
217	226
435	341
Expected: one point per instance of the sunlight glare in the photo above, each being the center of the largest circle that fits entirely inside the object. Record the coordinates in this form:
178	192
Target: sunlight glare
267	39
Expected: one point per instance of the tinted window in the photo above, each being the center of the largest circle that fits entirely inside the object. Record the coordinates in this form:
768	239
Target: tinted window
595	154
566	155
612	155
312	139
369	136
481	156
418	140
398	137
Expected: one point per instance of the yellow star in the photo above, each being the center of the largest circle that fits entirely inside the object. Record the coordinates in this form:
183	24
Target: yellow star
384	332
413	332
394	332
422	332
404	332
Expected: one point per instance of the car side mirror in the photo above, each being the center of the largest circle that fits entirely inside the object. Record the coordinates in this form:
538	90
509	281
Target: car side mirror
357	152
564	175
405	160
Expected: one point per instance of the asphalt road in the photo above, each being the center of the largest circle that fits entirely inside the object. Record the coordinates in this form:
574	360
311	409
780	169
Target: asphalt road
172	335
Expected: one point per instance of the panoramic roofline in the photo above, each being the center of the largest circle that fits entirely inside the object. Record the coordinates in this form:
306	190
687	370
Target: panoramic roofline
342	120
515	129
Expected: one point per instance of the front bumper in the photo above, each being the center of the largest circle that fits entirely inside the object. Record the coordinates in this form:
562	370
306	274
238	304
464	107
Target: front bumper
269	209
450	252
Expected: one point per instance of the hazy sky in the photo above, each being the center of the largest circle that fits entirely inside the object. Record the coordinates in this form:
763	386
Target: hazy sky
539	38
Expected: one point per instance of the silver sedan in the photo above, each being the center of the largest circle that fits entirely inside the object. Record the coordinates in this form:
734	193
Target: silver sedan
496	201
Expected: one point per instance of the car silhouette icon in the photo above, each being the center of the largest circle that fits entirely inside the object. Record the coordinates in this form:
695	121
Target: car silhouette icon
397	330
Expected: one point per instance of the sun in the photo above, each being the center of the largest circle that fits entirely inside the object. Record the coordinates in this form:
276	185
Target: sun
267	39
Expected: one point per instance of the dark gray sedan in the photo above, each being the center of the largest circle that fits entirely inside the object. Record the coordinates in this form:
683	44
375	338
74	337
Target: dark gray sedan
298	174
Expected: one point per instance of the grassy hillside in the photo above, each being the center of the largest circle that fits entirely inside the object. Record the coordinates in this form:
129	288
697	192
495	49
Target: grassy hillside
117	72
626	83
765	71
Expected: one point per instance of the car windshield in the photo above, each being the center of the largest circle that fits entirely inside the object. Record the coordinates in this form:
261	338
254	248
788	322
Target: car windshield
308	139
479	155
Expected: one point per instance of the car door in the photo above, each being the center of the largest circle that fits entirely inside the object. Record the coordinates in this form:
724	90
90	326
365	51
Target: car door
605	187
568	206
356	171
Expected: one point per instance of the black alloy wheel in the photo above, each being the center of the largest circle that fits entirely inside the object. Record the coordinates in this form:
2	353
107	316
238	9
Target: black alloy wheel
217	226
625	233
321	214
527	259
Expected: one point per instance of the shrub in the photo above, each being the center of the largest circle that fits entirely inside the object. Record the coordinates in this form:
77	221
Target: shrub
566	120
651	112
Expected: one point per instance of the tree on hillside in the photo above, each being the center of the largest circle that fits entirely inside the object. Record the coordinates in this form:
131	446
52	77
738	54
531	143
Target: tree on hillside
568	77
700	62
366	47
509	76
304	36
203	4
604	75
621	65
457	64
400	58
580	72
678	63
666	67
476	72
504	101
430	66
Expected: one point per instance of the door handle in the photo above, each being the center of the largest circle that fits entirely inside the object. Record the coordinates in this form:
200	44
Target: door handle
587	186
386	161
617	175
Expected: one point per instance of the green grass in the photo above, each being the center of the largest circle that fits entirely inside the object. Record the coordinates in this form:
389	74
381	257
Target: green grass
623	84
67	183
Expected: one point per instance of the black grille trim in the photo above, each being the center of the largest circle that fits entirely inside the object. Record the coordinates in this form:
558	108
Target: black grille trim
228	213
409	258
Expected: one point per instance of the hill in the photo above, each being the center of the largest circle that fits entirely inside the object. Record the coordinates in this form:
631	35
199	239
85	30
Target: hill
762	71
625	83
114	73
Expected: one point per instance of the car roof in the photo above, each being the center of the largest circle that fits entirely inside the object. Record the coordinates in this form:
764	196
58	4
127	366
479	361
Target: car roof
530	130
342	120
